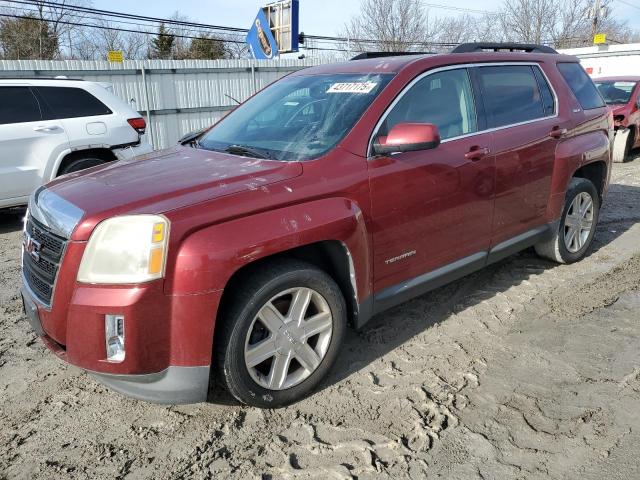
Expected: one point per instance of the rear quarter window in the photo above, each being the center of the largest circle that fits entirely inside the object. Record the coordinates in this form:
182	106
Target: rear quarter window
69	102
581	85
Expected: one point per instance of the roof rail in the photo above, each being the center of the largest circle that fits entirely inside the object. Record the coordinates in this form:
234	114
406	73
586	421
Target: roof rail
497	46
366	55
31	77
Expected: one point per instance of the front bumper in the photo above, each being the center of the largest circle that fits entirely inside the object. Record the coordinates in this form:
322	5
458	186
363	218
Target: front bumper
161	364
174	385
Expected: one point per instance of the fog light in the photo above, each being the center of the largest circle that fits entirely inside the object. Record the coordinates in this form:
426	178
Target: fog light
114	337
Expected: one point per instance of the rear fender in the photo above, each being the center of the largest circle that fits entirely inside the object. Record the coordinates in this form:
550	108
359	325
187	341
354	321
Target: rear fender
572	154
208	258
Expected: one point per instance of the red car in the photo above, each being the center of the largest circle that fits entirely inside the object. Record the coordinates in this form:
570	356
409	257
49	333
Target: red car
332	195
622	94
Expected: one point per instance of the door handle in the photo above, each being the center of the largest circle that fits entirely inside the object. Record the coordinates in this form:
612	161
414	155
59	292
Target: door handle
476	153
557	132
46	128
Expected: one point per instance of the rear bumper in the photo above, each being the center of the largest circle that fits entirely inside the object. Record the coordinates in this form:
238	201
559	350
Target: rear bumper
132	151
175	385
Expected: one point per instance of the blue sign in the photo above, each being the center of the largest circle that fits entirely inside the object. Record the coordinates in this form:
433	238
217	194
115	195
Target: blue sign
260	39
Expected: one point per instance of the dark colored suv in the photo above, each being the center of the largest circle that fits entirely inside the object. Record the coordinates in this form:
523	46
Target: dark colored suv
332	195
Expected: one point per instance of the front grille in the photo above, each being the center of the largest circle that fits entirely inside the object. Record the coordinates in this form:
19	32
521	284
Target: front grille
40	266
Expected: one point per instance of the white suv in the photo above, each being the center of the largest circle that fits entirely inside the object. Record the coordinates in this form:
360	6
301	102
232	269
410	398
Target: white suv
52	127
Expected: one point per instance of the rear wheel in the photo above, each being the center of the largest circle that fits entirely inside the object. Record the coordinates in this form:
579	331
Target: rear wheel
281	334
573	238
81	164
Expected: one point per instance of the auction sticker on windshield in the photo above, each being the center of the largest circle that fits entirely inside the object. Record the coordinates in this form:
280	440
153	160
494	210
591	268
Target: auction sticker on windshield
353	87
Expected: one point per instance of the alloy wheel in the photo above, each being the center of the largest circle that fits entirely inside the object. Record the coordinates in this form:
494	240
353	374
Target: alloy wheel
578	222
288	338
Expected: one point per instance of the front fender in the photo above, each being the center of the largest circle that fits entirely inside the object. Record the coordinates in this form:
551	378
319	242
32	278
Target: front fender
208	258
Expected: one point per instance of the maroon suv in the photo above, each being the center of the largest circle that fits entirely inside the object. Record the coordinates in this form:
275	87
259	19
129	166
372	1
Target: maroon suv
330	196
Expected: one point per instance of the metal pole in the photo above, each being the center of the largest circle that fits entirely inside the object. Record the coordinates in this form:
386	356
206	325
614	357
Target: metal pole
596	17
146	96
253	78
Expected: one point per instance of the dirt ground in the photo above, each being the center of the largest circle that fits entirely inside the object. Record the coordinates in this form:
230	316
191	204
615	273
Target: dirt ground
524	370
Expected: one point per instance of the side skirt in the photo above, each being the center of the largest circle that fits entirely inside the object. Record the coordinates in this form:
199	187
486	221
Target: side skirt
402	292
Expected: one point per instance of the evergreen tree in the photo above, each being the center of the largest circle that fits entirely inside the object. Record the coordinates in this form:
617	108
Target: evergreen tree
206	48
27	38
162	45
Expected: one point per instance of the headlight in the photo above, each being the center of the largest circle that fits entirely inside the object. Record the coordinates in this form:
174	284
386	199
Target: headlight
127	249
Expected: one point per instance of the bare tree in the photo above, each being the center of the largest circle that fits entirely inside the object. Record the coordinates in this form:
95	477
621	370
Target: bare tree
394	25
60	18
94	43
563	23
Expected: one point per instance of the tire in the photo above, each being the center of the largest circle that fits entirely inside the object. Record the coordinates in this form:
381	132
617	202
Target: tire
81	164
562	247
622	145
251	318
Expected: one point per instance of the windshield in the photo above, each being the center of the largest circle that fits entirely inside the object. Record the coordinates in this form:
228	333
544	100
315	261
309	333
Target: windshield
297	118
615	93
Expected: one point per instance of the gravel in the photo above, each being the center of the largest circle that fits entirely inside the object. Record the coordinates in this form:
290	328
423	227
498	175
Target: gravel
523	370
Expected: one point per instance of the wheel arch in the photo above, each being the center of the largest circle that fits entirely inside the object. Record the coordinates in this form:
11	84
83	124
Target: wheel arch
331	256
101	153
586	156
596	173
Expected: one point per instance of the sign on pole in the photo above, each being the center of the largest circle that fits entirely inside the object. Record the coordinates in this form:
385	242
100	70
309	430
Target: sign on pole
115	56
275	30
261	43
600	38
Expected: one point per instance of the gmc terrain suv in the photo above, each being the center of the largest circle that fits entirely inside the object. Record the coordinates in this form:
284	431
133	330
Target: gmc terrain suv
50	127
622	94
249	251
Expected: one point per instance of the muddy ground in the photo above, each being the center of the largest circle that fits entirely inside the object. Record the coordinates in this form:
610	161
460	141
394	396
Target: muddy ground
524	370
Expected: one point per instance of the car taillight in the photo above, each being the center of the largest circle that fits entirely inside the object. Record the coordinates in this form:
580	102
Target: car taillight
138	124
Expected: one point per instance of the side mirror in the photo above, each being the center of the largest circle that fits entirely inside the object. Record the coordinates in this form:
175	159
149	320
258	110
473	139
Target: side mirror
408	137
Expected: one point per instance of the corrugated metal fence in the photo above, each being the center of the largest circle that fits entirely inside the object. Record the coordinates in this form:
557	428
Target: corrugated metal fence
179	96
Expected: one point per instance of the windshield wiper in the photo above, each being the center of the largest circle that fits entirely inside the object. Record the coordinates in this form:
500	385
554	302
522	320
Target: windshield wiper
245	151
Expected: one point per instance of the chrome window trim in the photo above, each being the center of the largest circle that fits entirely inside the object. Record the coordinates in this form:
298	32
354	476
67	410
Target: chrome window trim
467	66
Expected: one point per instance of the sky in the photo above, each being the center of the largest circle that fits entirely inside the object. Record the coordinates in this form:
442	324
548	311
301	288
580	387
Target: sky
317	17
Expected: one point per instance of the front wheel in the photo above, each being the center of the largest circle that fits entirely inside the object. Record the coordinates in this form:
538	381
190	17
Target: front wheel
280	334
573	238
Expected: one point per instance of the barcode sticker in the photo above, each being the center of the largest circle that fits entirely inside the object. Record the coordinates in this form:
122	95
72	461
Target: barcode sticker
354	87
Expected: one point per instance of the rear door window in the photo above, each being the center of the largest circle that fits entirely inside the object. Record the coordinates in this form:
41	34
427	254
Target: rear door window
18	105
511	95
69	102
581	85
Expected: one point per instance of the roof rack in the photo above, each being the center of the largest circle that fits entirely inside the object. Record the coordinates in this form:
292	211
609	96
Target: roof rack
497	46
366	55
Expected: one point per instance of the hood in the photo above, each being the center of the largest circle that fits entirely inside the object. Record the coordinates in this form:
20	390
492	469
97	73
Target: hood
164	181
622	109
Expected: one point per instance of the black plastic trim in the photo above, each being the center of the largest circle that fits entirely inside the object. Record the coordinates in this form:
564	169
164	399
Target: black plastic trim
379	149
402	292
172	386
475	47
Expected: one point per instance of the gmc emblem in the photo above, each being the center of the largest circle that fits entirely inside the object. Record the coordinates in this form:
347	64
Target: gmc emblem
31	246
